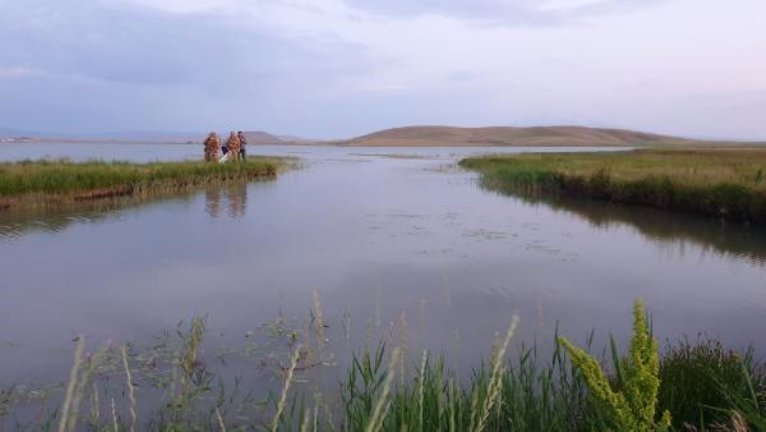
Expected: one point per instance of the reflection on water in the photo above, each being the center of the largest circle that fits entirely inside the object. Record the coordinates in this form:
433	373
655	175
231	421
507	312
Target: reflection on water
232	196
674	232
15	223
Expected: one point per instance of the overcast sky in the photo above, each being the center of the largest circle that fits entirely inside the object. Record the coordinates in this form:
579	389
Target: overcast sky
337	68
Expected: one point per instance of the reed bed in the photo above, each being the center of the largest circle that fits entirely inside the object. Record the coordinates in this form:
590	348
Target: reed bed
46	182
171	384
729	184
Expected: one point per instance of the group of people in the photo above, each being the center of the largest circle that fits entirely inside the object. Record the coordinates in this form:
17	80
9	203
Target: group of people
233	150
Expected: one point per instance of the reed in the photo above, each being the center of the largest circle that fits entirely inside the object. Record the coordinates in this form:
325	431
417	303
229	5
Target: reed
728	184
131	391
382	404
483	405
525	392
67	411
283	397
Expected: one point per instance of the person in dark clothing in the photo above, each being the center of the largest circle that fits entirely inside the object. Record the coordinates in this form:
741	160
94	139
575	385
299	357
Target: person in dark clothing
242	144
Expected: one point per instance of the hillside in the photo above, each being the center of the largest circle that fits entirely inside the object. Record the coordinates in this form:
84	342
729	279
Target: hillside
253	137
446	136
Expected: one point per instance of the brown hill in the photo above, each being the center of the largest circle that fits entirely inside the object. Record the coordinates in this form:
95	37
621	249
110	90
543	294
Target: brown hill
447	136
263	138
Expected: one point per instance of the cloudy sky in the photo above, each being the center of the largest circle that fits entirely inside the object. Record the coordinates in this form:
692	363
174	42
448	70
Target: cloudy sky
337	68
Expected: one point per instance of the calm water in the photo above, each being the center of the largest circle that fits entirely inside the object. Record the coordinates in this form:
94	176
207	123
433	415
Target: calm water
379	234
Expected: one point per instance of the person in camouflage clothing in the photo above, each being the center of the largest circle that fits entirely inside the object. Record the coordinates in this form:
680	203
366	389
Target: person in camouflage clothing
212	144
234	146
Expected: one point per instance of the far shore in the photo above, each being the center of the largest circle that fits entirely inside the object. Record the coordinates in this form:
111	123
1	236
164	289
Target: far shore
729	184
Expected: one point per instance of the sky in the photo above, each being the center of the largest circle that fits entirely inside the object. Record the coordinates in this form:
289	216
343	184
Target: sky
340	68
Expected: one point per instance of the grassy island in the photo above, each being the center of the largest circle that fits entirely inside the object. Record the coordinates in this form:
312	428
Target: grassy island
45	183
730	184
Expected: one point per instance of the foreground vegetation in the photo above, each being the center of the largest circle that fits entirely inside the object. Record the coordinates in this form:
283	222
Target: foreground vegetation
730	184
46	183
170	385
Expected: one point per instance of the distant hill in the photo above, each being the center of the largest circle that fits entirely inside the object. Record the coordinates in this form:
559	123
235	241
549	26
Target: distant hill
261	138
253	137
297	140
447	136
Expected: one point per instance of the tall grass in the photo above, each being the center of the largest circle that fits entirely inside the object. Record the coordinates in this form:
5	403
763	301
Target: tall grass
704	386
700	377
51	181
729	184
525	393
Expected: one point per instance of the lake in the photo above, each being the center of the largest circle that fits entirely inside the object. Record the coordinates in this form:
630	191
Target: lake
385	238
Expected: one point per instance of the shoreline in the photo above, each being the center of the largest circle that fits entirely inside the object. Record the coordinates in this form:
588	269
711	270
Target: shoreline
725	183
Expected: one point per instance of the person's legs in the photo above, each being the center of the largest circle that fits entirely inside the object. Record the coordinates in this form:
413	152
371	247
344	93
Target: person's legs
242	153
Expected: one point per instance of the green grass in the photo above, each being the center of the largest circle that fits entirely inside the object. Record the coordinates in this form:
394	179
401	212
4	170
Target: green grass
35	183
699	376
730	184
169	384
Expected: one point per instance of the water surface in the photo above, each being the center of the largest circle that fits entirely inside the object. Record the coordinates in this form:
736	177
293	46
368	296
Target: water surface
385	237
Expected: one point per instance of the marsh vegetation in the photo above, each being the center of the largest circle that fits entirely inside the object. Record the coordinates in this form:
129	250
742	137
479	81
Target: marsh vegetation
728	184
172	383
45	183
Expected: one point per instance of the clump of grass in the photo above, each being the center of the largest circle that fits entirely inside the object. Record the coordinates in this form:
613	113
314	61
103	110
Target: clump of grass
49	182
523	394
698	377
722	183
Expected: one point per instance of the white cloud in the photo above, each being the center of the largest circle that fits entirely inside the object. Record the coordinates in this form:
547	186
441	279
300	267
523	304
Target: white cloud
558	5
183	6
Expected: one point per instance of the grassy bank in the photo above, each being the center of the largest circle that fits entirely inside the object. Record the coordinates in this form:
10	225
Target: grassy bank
170	384
47	183
730	184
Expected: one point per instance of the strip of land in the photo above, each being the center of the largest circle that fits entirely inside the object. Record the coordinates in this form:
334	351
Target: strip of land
47	183
729	184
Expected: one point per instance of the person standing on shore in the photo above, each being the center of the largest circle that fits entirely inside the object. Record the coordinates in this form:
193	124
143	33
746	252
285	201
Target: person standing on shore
242	144
212	143
234	146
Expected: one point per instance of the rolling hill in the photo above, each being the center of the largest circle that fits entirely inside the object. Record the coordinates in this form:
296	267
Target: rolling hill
447	136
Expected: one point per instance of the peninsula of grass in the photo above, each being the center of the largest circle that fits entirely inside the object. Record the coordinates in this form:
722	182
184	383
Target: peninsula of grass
727	184
45	183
